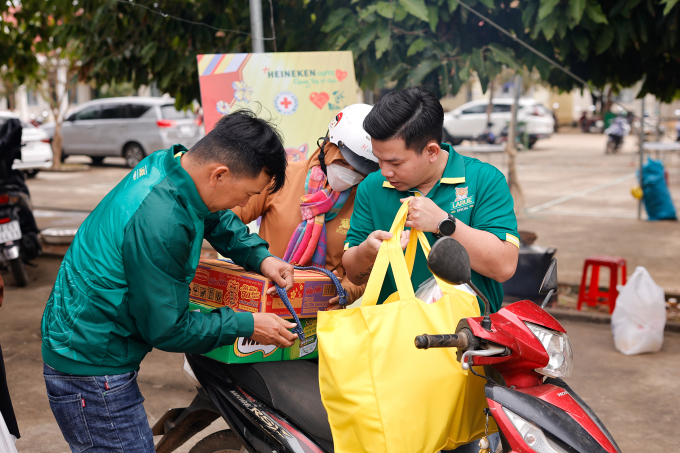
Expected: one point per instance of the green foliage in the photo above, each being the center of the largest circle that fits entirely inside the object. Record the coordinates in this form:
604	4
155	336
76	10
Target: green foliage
436	43
617	43
431	42
18	29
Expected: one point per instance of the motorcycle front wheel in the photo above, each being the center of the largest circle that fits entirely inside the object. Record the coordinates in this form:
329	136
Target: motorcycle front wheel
19	271
224	441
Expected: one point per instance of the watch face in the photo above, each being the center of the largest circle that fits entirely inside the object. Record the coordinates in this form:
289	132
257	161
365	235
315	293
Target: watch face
447	227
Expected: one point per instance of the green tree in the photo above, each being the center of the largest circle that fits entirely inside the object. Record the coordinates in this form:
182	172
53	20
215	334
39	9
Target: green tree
17	34
617	43
143	42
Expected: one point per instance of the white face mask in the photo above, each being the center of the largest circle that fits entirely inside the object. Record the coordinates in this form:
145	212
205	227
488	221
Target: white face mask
341	178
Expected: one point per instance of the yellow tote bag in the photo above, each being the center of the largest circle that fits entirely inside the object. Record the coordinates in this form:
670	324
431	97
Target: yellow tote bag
382	394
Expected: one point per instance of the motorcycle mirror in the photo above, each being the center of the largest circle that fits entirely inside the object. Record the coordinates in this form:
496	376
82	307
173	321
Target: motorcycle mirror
550	280
450	261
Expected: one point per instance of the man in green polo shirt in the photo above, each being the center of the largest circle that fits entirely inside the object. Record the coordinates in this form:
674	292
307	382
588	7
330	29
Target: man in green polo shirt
448	194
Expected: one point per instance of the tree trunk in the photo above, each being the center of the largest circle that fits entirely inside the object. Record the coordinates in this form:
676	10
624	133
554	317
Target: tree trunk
511	149
489	106
57	144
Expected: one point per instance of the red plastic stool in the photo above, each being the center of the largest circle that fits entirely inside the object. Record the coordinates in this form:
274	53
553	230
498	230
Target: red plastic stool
593	296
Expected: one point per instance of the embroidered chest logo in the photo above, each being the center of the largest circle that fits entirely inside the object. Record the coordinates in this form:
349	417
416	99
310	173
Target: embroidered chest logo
461	192
344	226
463	201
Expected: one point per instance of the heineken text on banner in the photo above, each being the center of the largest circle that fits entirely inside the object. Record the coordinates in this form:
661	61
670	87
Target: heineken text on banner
302	90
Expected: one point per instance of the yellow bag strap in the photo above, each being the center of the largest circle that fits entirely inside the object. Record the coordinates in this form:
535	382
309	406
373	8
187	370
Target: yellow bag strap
390	253
418	236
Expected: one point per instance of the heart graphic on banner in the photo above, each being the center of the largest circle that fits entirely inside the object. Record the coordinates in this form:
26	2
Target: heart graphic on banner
319	99
340	74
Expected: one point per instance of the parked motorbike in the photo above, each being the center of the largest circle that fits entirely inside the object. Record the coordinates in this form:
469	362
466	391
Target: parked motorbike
615	135
487	137
522	140
19	240
276	406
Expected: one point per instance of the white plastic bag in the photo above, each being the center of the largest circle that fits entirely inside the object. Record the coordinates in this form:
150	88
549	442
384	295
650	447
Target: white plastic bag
6	439
430	292
639	317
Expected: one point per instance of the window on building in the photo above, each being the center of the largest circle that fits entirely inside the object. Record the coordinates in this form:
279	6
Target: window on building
31	97
73	93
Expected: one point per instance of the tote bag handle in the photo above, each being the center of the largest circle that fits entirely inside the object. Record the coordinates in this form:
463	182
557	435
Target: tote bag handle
390	253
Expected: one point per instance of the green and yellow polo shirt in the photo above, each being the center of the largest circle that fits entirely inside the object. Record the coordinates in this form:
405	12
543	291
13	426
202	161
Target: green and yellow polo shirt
476	193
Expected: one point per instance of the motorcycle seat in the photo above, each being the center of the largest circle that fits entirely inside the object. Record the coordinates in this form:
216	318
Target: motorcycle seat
291	387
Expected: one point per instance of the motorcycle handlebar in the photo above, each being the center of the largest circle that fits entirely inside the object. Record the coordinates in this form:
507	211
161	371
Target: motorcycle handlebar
425	341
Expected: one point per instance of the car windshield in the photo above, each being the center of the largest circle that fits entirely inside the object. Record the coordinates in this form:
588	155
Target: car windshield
169	112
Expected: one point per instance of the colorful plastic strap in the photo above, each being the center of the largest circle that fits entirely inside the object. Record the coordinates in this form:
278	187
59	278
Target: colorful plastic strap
284	296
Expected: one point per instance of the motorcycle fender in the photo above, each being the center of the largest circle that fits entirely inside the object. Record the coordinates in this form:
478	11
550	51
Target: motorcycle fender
555	422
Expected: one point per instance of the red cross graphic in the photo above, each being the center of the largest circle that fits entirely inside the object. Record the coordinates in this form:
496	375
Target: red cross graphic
286	103
265	69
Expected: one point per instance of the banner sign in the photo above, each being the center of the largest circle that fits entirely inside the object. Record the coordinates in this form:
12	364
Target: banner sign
302	91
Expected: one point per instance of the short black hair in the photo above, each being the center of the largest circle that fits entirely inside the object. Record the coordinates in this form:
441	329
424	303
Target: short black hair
412	114
247	145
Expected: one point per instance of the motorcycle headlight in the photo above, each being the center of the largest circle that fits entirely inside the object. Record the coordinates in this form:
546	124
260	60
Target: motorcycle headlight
532	435
557	346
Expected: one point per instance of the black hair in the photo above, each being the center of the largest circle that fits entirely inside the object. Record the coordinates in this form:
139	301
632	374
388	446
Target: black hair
247	145
412	114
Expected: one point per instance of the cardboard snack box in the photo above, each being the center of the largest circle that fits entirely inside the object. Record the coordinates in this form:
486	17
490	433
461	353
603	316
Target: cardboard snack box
220	283
245	350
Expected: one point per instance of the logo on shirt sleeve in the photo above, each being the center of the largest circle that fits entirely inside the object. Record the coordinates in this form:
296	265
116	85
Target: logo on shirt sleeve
463	201
139	173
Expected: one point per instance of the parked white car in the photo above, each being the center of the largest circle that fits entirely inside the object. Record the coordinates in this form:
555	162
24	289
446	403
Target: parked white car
36	153
130	127
469	120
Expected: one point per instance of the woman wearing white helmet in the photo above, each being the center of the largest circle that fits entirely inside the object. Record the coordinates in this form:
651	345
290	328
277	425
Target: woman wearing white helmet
306	222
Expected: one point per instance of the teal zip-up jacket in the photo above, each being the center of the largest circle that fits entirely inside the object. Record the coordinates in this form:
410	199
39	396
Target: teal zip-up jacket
123	287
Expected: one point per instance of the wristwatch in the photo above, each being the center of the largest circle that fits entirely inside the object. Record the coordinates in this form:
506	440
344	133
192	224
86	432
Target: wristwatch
446	227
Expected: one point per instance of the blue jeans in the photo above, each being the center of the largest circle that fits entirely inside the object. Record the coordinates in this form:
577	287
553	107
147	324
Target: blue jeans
473	447
99	414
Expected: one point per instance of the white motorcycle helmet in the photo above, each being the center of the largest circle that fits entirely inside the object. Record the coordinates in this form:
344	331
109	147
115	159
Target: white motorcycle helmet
347	132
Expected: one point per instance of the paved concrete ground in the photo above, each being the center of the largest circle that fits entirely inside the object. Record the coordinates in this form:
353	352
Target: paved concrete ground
554	176
636	397
604	221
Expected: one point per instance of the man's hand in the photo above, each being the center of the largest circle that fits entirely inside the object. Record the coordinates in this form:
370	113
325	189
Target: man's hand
364	255
277	271
271	329
423	214
374	240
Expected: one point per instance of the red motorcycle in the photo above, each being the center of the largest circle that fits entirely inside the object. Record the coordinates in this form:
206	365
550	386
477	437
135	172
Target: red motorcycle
525	353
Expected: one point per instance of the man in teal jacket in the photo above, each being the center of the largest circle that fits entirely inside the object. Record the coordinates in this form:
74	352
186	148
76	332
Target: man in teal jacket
123	287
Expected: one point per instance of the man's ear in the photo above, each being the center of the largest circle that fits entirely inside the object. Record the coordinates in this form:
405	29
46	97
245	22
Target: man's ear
433	150
219	174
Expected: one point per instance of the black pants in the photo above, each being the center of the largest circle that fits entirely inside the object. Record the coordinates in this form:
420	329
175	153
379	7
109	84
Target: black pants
6	403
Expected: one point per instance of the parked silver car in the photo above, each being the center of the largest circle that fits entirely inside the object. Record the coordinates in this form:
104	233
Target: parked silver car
131	127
